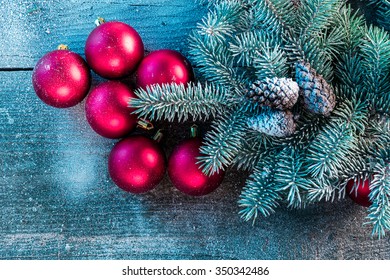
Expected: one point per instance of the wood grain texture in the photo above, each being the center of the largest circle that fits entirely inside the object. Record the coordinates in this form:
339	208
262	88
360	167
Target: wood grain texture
31	28
58	202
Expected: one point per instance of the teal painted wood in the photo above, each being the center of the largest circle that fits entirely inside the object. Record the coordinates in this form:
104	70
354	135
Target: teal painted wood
31	28
58	202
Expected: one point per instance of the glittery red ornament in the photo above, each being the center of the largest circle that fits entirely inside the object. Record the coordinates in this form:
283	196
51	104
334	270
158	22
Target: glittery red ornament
359	191
137	164
185	174
107	109
114	49
61	78
164	66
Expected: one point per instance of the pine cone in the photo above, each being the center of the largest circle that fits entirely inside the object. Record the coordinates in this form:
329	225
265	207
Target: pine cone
318	96
273	123
277	93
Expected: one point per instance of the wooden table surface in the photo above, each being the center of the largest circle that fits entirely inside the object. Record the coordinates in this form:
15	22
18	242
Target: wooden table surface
57	200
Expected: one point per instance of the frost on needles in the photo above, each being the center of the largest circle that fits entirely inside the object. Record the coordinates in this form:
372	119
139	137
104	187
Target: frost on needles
239	43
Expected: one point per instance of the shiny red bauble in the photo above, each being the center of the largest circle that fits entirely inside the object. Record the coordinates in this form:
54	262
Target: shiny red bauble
137	164
114	49
107	109
359	191
162	67
61	78
184	171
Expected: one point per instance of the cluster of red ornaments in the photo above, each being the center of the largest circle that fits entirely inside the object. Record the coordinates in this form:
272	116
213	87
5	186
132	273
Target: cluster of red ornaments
115	50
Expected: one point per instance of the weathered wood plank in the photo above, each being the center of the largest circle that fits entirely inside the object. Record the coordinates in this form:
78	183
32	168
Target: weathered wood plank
58	202
31	28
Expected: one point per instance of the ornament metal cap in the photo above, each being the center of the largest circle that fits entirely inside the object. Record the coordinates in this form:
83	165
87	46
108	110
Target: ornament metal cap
158	136
194	132
145	124
99	21
62	47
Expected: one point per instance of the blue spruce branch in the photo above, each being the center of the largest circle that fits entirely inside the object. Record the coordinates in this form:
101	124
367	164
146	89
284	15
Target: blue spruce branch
317	15
352	25
178	101
255	147
246	46
222	21
328	150
216	63
223	142
290	179
379	211
375	51
260	195
383	12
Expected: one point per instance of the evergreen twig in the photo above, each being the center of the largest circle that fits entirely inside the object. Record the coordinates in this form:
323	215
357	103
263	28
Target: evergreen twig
223	142
177	101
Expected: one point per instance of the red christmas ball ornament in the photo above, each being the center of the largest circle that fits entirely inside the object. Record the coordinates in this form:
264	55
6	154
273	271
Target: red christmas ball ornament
162	67
61	78
114	49
137	164
185	174
359	191
107	109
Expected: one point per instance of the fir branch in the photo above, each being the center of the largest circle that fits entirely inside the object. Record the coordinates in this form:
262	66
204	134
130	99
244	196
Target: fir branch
271	63
317	15
216	63
321	189
328	150
178	101
266	16
260	196
287	11
355	167
289	177
353	27
357	164
379	211
303	48
246	46
354	114
377	139
223	142
380	126
247	106
332	41
256	146
384	15
375	50
383	12
221	22
382	103
308	127
349	72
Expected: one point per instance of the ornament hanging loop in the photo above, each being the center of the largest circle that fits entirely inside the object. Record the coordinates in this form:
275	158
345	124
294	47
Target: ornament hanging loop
194	131
62	47
158	136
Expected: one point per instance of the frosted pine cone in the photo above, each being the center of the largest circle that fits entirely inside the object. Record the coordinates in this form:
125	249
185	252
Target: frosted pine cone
273	123
277	93
318	96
